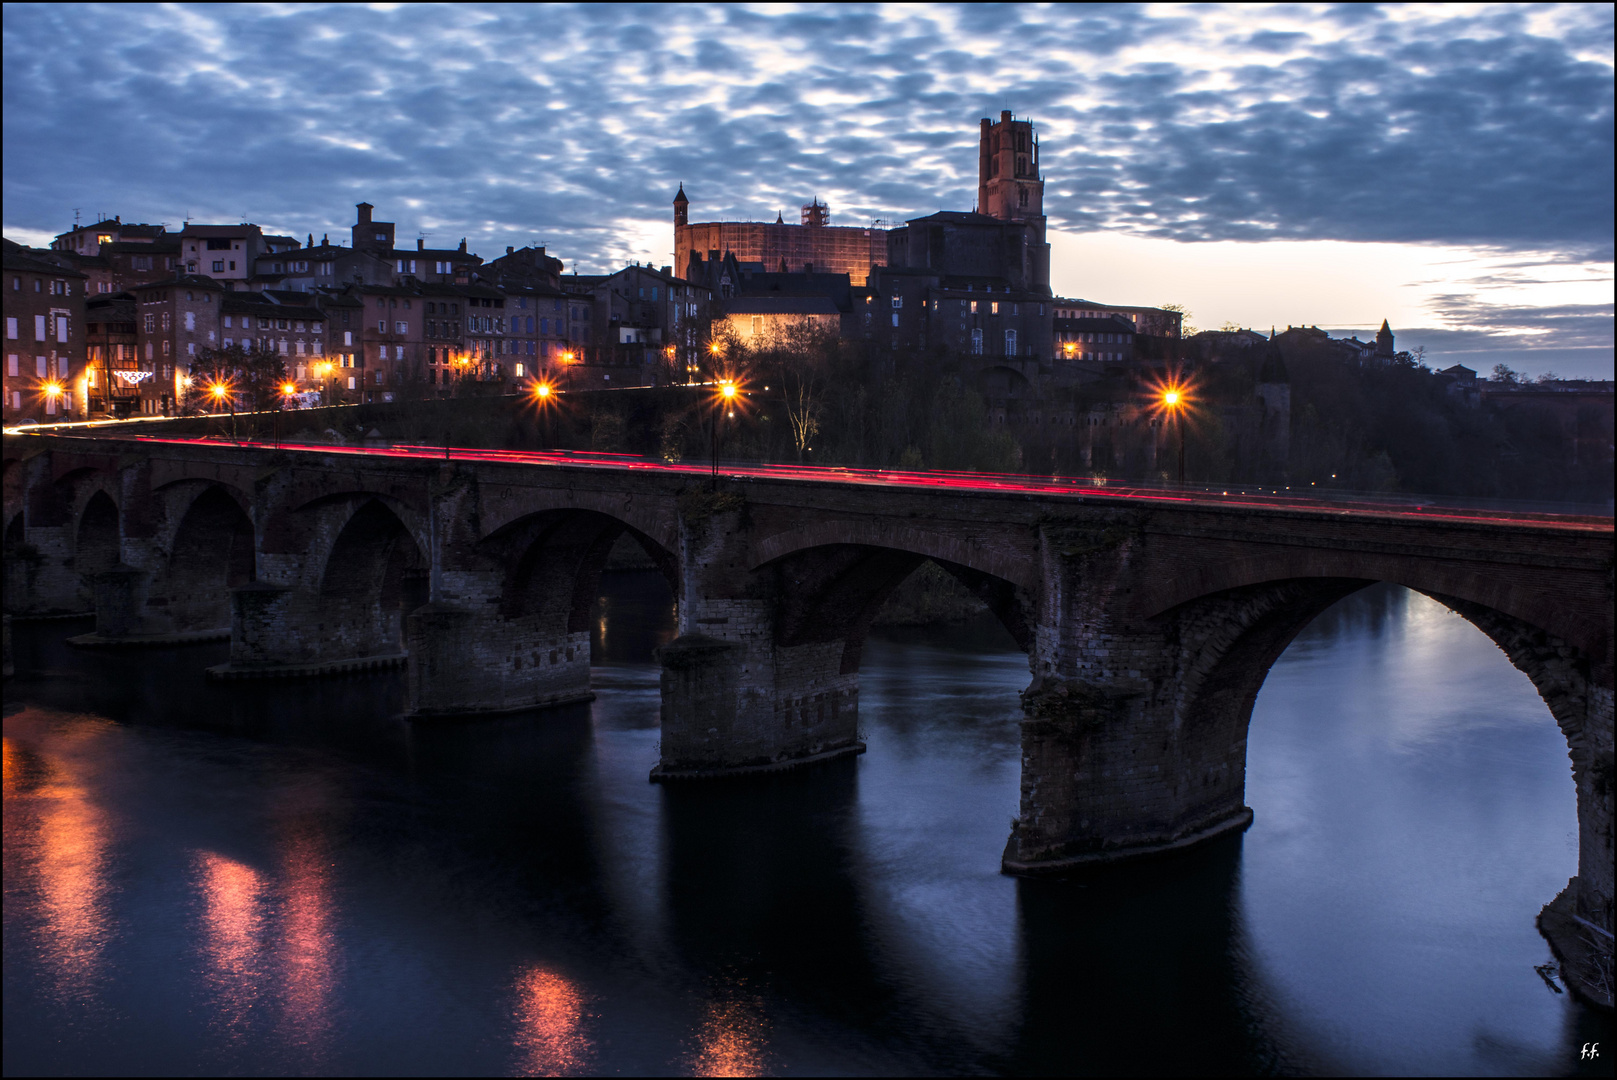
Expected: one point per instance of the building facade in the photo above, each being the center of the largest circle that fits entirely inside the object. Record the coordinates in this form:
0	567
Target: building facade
813	246
44	313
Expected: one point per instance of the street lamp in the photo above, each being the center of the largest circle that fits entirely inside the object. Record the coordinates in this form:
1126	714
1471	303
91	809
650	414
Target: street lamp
721	403
1173	402
542	396
221	392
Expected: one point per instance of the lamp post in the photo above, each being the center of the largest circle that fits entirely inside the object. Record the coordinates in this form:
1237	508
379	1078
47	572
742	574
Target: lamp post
221	392
721	403
542	397
1173	399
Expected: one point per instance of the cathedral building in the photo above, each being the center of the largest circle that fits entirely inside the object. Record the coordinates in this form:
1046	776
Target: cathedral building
813	246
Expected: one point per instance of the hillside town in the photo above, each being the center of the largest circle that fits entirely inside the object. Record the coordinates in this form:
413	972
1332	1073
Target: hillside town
118	320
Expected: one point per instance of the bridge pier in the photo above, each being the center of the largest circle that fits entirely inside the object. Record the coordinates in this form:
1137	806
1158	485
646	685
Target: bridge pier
467	661
733	700
1134	741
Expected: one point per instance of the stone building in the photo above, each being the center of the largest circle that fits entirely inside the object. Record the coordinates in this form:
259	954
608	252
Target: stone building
175	321
44	313
1147	321
113	372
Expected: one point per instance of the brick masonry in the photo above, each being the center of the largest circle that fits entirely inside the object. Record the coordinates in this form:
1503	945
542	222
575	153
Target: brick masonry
1149	629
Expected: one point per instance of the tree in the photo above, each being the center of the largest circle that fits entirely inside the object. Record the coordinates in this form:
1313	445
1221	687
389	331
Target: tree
800	354
253	378
1502	373
1185	329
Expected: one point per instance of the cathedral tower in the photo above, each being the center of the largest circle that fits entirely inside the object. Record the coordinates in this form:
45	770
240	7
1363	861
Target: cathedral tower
1009	186
681	208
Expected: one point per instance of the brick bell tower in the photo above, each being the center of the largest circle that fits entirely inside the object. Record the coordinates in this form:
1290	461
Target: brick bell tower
1010	186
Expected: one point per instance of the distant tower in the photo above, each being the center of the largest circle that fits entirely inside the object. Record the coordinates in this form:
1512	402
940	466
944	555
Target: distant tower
1010	187
1384	340
681	208
816	213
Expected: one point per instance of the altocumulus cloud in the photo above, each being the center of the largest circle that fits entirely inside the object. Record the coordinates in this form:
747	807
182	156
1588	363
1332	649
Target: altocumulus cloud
1487	126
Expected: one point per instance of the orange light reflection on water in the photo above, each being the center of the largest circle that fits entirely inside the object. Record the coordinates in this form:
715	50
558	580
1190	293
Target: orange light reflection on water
56	845
550	1016
733	1039
307	945
232	930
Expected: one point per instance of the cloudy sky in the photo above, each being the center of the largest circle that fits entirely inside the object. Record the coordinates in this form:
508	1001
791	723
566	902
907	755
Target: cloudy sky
1447	167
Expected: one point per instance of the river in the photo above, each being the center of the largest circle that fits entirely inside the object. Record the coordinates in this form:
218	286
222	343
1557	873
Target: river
288	878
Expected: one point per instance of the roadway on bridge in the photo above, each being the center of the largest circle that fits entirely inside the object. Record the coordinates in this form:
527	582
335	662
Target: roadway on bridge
1084	488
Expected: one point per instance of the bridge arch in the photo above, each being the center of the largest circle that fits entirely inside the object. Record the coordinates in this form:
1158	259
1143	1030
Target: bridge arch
374	574
97	541
1230	639
210	552
833	592
1016	564
551	563
650	519
1517	596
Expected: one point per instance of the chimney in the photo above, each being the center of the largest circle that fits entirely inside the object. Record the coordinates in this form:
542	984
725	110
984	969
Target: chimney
325	239
463	243
364	213
509	250
421	243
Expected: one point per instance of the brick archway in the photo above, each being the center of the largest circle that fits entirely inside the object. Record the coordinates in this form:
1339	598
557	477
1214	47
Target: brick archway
373	576
210	552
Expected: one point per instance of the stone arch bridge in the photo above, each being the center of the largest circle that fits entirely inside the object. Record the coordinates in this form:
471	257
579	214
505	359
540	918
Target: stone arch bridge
1149	625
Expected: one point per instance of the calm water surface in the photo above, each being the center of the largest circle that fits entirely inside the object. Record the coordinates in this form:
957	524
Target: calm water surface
289	879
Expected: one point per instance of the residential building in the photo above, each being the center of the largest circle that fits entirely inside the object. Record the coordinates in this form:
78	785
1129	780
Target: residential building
176	320
113	371
44	313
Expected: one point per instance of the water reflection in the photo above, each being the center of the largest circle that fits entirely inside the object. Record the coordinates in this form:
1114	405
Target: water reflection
308	943
289	878
56	861
733	1036
232	896
550	1021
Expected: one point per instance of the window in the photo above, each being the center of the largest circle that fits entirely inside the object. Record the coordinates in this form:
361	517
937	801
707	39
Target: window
61	329
654	294
398	352
757	325
227	322
898	302
895	318
381	301
218	266
1010	343
41	366
976	343
519	371
401	328
11	365
1021	197
974	307
993	308
39	328
168	321
11	328
190	320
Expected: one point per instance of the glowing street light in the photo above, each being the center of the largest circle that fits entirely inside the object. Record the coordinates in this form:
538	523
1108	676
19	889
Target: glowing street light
1174	402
